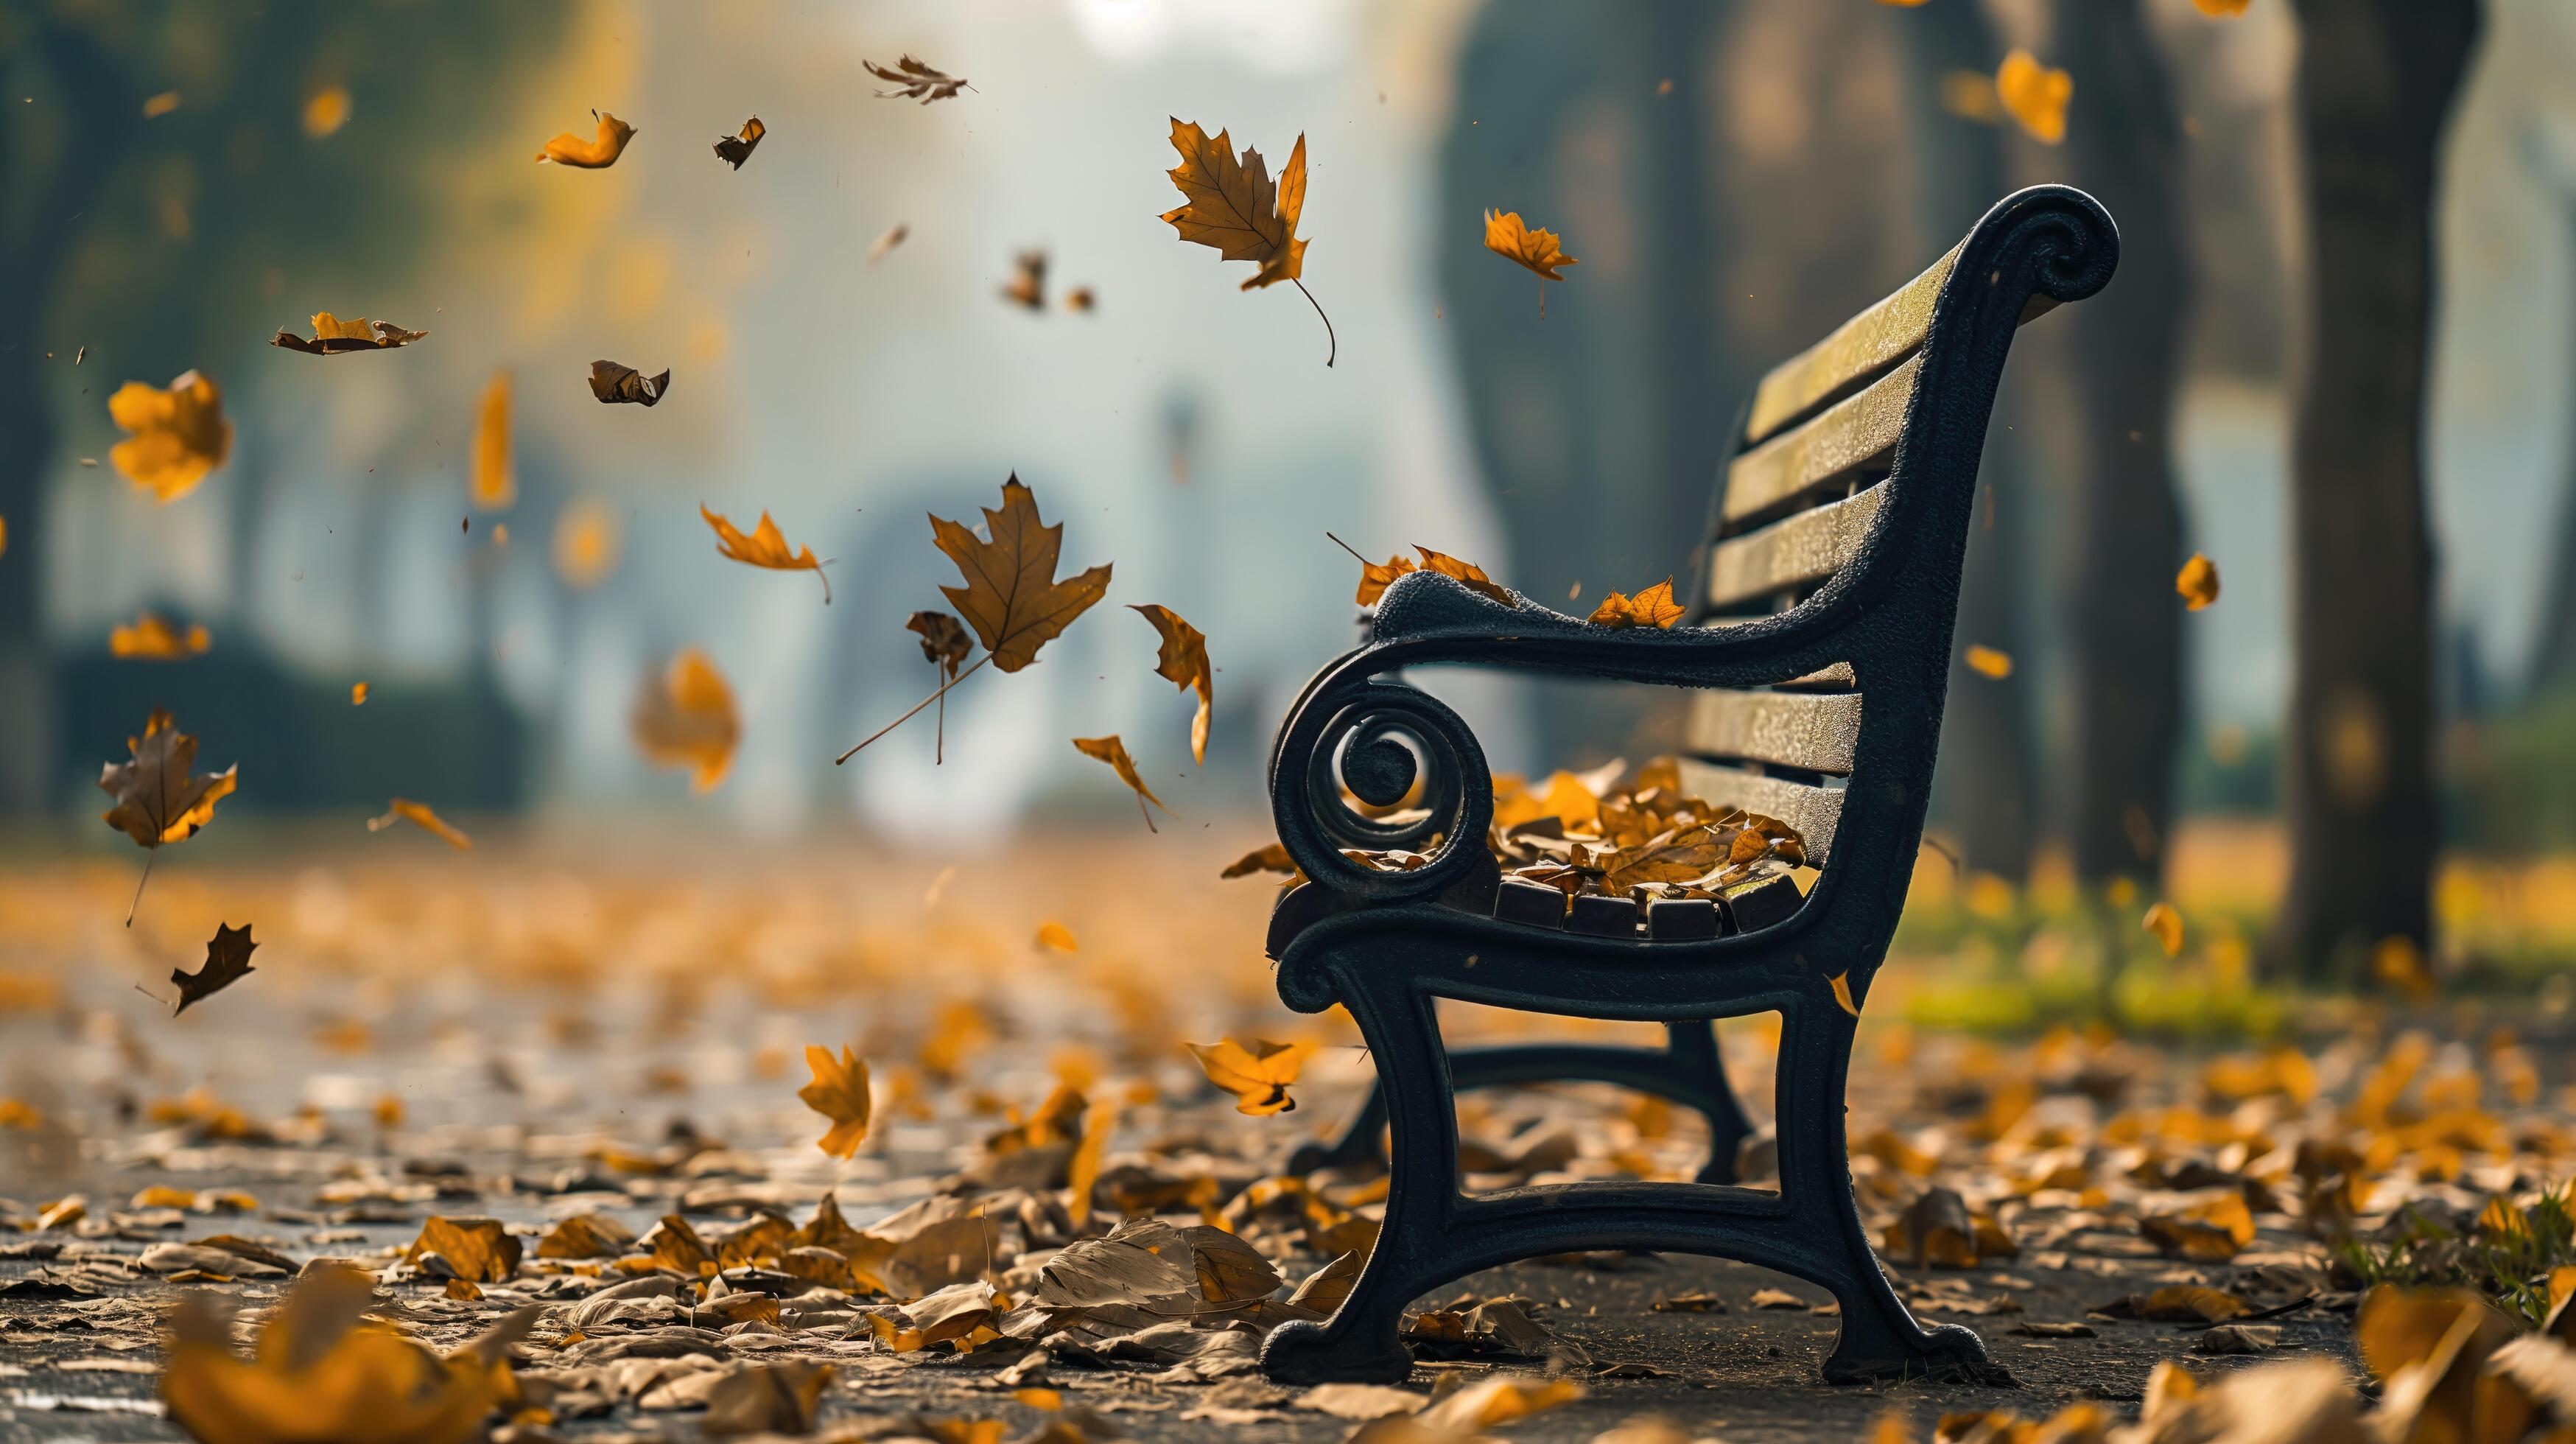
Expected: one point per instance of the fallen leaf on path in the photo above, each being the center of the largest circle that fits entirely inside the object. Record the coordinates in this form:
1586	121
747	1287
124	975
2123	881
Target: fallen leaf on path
2214	1231
403	809
175	437
227	962
597	153
480	1249
768	1399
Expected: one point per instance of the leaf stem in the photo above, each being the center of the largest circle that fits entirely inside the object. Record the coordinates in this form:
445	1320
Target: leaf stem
1346	546
150	855
1330	339
916	708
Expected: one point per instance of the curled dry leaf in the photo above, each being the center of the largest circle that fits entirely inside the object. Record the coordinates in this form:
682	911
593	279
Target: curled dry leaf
1841	983
1011	597
1027	288
1375	577
494	484
766	1399
684	717
915	81
1988	662
943	640
403	809
733	150
884	245
175	437
152	639
614	384
2034	95
1257	1073
1653	607
333	336
2197	582
765	547
586	1235
597	153
840	1093
227	962
1184	663
1114	752
480	1249
1234	206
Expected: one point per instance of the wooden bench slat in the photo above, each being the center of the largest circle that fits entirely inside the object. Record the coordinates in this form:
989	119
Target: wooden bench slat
1807	547
1812	810
1856	432
1856	351
1816	731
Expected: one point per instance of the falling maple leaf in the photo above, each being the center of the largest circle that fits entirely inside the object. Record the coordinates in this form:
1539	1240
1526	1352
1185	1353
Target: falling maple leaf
1374	578
1988	662
598	153
765	547
2166	924
1653	607
1257	1073
2035	95
159	798
152	639
1184	663
586	543
614	383
733	150
2197	582
884	244
325	111
227	962
176	436
333	336
403	809
1114	752
1011	596
1233	206
915	81
1027	289
1468	574
684	717
840	1093
494	483
1507	236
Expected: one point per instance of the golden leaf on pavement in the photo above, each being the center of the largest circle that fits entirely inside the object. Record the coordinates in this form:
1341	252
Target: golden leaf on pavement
1114	752
684	717
227	962
1011	597
2197	582
494	483
586	1235
597	153
915	81
480	1249
1257	1073
733	150
176	436
403	809
840	1093
1653	607
1232	205
151	639
333	336
2035	95
1184	662
765	547
2213	1231
770	1400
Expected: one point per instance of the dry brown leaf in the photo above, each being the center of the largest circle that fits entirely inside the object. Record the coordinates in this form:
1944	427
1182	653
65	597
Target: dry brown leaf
1271	858
1233	205
943	640
403	809
494	483
1653	607
1082	1173
684	717
1027	288
1114	752
2035	95
1257	1073
1184	663
770	1399
333	336
1498	1400
2197	582
840	1093
175	437
733	150
614	384
479	1249
884	244
765	547
152	639
227	962
586	1235
597	153
159	797
1011	597
915	81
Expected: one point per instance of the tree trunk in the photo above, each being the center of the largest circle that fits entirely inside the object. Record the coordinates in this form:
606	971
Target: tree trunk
2124	623
2375	83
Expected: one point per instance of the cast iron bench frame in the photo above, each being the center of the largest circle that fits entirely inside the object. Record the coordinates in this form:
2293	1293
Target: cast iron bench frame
1837	538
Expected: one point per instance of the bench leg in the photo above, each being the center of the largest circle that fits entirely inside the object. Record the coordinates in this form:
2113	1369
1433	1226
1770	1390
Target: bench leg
1687	1071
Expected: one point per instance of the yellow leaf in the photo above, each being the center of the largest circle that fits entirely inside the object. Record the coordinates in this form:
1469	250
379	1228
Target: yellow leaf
177	436
1114	752
1653	607
1374	578
1184	663
473	1248
586	543
1497	1400
2222	8
2399	963
2197	582
597	153
1082	1175
1467	573
684	717
2212	1231
765	547
1256	1073
1011	597
418	814
1842	993
153	640
2166	924
495	483
325	111
840	1093
159	797
1970	95
1057	936
333	336
1507	237
1989	662
2035	95
357	694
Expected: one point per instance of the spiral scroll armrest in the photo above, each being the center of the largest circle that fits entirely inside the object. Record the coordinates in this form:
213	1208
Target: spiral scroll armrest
1383	743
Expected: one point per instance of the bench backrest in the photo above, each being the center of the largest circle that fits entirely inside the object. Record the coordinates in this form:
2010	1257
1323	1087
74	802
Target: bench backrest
1828	441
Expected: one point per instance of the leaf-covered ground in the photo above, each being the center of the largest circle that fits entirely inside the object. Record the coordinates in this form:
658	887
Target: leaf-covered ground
613	1030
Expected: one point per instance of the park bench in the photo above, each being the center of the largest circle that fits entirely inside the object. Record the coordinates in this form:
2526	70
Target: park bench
1820	640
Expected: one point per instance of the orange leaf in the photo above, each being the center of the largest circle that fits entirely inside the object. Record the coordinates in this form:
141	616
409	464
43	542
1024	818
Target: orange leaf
840	1093
151	639
1184	662
177	436
357	694
1508	237
1467	572
1057	936
1989	662
598	153
2035	95
685	718
1233	206
2197	582
1256	1073
734	150
1011	597
1653	607
494	484
1375	579
2166	924
333	336
1114	752
326	110
418	814
765	547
